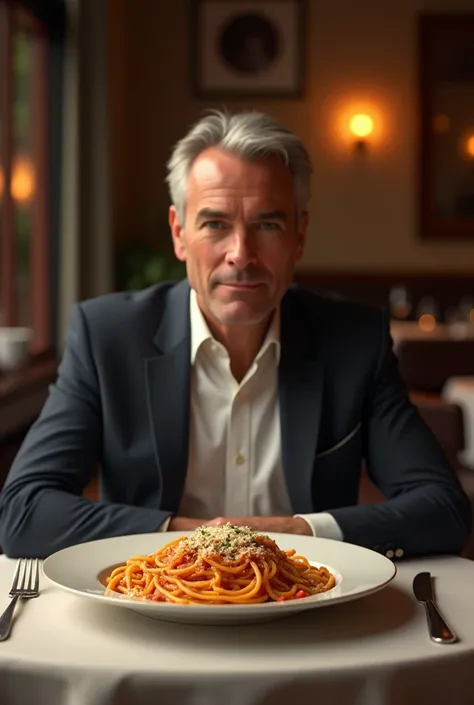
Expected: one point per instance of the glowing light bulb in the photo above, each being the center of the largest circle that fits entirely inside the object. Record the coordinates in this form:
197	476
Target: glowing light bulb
361	125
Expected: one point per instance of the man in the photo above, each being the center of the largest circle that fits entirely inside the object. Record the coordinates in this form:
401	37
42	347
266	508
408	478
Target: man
232	394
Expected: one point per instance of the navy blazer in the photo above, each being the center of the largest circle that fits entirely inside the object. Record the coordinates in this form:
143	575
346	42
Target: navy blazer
122	399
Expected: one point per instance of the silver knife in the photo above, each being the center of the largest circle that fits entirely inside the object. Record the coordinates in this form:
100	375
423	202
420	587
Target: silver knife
439	630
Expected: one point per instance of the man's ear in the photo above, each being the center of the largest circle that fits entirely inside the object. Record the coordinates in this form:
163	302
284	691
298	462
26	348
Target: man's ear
177	234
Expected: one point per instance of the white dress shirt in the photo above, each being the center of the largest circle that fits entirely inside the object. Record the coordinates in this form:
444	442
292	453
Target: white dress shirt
235	460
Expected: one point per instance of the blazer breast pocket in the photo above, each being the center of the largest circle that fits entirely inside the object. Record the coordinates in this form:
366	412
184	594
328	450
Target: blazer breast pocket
337	472
349	442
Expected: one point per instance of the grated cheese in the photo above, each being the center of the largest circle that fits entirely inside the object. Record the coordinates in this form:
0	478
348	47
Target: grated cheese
228	541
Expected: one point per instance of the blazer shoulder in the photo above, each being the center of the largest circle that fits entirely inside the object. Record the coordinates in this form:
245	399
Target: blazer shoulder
131	318
118	307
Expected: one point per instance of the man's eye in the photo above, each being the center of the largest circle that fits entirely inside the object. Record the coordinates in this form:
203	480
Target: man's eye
269	226
213	224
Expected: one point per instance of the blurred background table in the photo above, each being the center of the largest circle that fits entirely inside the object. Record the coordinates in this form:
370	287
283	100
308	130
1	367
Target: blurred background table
460	390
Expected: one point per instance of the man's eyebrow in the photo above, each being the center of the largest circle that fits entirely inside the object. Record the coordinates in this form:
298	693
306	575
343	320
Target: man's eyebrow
209	213
271	215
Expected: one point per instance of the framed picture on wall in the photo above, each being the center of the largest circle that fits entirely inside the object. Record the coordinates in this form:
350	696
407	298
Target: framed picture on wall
244	49
446	126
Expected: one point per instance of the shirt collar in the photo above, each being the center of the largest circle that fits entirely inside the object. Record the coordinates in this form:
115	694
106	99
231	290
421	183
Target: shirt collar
200	332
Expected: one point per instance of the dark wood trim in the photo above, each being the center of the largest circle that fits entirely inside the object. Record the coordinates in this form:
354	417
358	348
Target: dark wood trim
56	57
448	289
25	21
42	15
40	241
23	393
34	370
7	240
449	230
15	18
347	276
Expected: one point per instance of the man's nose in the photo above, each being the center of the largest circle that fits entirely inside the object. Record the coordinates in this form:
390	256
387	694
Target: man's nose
242	251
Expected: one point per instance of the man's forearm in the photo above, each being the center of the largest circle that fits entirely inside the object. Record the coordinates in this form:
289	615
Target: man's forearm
434	519
50	520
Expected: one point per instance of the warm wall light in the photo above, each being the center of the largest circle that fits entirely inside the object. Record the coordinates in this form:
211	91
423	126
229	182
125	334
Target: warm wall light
470	147
338	115
361	126
23	183
23	180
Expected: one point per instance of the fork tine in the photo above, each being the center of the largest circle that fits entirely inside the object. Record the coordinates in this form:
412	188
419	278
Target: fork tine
36	583
16	577
26	578
23	574
29	583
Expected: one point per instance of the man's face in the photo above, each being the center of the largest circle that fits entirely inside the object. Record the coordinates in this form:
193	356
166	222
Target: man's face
241	239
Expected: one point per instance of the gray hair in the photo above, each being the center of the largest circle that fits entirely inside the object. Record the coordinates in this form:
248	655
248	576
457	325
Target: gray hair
247	135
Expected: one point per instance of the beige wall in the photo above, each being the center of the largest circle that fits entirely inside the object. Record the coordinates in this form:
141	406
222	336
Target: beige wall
360	55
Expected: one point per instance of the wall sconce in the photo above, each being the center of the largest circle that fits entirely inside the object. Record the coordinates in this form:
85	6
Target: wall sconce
23	180
361	126
470	147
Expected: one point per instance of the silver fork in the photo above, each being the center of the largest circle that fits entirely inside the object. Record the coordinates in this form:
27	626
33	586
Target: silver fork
25	584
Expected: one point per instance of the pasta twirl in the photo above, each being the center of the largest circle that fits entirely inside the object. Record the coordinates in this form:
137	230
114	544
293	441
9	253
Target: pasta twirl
220	565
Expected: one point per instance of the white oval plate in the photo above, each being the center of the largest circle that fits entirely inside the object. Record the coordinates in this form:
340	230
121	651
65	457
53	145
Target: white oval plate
358	572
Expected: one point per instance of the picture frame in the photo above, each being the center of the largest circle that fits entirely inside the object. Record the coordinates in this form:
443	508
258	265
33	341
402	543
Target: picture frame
446	127
248	48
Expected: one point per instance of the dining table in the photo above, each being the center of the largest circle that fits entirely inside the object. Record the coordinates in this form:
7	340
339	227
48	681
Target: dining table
411	330
65	649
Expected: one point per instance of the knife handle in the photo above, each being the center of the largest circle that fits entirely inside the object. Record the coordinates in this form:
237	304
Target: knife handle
439	630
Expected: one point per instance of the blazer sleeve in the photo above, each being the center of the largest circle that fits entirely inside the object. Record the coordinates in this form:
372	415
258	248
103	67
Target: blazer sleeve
426	511
41	507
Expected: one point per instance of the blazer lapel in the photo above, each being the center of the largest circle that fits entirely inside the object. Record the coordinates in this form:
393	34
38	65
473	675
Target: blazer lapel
168	396
300	393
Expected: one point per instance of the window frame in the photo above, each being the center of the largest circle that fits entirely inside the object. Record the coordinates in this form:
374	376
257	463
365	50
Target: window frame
47	30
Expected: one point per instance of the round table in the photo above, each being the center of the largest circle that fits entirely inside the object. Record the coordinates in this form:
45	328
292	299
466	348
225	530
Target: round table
67	650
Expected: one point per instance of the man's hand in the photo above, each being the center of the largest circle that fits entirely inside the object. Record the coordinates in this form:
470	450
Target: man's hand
284	525
185	524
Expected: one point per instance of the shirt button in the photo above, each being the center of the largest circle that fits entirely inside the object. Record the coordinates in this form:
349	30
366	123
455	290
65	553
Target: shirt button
399	552
390	553
239	459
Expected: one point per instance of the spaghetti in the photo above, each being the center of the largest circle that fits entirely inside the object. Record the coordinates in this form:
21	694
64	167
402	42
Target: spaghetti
220	565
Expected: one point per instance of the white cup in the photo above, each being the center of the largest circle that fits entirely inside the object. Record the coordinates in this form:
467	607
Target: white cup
14	345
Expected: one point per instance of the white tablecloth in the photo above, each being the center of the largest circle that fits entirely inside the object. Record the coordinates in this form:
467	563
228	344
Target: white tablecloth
67	650
460	390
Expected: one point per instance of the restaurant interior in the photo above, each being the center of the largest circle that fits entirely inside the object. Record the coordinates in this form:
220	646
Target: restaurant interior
94	94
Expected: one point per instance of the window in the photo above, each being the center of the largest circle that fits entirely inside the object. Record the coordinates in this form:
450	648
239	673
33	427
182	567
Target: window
26	203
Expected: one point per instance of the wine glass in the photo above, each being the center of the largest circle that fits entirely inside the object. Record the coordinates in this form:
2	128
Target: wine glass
400	302
427	314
